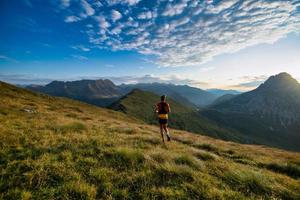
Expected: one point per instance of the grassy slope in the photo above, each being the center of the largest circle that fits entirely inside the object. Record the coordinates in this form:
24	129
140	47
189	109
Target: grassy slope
55	148
140	104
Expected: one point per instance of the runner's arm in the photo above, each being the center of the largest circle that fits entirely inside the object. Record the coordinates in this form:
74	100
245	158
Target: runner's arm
156	108
169	108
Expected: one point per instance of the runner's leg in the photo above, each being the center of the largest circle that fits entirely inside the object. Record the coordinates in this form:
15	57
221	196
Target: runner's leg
162	132
165	127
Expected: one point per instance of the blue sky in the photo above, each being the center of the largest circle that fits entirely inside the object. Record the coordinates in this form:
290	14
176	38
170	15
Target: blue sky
225	44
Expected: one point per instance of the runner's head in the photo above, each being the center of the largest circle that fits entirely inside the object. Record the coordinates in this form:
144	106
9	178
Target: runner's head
163	98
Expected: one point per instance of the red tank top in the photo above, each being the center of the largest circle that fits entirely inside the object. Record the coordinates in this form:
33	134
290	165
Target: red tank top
162	108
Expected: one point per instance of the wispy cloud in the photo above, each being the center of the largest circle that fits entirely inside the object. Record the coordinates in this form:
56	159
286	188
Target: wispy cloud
72	18
8	59
81	47
88	10
249	82
80	57
187	32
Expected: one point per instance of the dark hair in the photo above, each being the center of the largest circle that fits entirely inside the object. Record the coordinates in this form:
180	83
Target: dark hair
163	97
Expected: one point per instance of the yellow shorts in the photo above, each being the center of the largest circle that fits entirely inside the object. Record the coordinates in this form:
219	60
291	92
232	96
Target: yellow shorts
163	116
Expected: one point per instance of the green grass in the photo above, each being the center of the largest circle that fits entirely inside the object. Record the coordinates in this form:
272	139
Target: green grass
77	151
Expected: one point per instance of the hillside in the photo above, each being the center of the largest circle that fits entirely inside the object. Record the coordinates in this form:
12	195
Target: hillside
98	92
140	104
181	93
56	148
268	115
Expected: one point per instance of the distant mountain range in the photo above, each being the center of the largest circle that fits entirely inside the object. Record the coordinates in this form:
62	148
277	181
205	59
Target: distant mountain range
268	115
104	92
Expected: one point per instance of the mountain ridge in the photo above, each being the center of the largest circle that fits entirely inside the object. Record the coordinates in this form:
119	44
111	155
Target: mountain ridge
103	92
100	92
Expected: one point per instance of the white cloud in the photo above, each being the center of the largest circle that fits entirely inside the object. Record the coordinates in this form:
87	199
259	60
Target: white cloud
89	11
145	15
102	22
72	18
222	5
122	2
115	15
175	9
116	30
132	2
191	32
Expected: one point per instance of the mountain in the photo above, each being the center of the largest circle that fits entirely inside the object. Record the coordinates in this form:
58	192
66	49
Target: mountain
220	92
140	104
222	99
181	93
57	148
97	92
269	114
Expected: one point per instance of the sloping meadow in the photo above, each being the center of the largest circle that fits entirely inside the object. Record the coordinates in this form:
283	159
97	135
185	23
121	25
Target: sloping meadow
54	148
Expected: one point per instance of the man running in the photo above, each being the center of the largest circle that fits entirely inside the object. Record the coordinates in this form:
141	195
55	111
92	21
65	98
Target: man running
163	108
